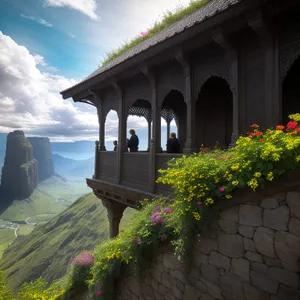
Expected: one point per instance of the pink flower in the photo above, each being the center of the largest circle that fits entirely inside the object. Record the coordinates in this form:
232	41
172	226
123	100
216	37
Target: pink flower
222	189
144	33
98	293
157	207
163	220
199	203
219	158
138	240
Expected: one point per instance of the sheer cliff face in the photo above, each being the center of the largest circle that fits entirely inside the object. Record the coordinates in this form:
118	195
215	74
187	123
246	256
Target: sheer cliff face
43	154
20	170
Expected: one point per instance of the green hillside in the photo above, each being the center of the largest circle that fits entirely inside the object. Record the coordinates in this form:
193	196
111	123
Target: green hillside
47	251
51	197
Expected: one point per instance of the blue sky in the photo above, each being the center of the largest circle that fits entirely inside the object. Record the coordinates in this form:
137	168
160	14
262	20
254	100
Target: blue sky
49	45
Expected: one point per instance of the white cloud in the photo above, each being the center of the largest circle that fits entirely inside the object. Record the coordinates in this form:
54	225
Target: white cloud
30	99
87	7
39	20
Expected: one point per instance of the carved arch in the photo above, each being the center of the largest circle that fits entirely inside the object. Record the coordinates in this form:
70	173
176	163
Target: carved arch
221	71
288	55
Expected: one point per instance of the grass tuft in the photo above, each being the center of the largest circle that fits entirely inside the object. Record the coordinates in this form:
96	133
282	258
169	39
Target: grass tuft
169	18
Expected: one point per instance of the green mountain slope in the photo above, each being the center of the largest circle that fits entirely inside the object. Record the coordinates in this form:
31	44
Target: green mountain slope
47	251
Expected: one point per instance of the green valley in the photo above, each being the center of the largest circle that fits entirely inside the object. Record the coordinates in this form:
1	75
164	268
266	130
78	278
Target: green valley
51	197
47	251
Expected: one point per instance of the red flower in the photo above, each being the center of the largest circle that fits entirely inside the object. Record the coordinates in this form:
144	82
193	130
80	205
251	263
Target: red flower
279	127
297	130
261	140
251	135
254	126
258	133
292	125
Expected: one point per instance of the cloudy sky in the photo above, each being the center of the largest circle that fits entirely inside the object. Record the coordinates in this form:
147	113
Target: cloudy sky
48	45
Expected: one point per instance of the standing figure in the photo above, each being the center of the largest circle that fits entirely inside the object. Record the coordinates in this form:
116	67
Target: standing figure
115	145
133	143
173	145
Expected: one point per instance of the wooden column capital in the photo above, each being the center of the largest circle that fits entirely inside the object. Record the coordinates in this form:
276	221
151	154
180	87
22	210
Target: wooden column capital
185	61
258	23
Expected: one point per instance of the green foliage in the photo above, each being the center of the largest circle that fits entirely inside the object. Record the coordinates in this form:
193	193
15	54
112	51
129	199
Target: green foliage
169	18
5	293
198	181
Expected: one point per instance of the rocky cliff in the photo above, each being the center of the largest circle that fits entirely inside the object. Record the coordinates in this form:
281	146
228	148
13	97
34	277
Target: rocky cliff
43	154
20	170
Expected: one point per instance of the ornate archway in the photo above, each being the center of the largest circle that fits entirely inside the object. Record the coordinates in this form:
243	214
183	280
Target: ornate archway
214	113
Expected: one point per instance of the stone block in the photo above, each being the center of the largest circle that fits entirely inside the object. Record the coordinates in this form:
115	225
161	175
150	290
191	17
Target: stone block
206	245
286	293
270	203
165	280
179	275
232	289
284	276
264	282
218	260
158	296
272	262
293	201
246	231
163	290
169	297
249	245
264	241
210	273
252	256
171	262
228	226
231	245
250	215
260	267
294	226
176	292
276	219
240	267
191	293
253	293
200	258
287	247
200	285
230	215
207	297
213	289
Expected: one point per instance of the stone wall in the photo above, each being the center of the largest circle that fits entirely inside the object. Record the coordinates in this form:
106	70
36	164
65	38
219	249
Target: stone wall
250	252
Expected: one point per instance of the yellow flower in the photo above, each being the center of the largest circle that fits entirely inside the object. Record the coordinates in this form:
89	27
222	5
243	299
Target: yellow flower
228	196
235	167
235	182
196	216
257	174
270	176
253	183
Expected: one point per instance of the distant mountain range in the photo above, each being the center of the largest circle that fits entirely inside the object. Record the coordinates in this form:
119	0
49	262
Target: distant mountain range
75	170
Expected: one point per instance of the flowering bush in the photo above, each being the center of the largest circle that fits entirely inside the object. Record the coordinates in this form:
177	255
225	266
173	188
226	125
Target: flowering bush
36	290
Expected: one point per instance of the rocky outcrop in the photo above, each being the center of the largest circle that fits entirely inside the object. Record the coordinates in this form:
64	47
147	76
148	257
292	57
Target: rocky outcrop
43	154
20	170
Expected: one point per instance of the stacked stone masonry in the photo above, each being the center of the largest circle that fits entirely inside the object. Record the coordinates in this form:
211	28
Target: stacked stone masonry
251	252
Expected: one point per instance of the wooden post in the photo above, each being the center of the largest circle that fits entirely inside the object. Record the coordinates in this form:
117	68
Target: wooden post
184	60
114	213
96	167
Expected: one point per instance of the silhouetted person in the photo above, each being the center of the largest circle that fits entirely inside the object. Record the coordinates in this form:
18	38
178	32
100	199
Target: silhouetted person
115	145
133	143
173	145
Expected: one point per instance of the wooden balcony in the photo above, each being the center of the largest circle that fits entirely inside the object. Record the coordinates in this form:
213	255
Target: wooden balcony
135	179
